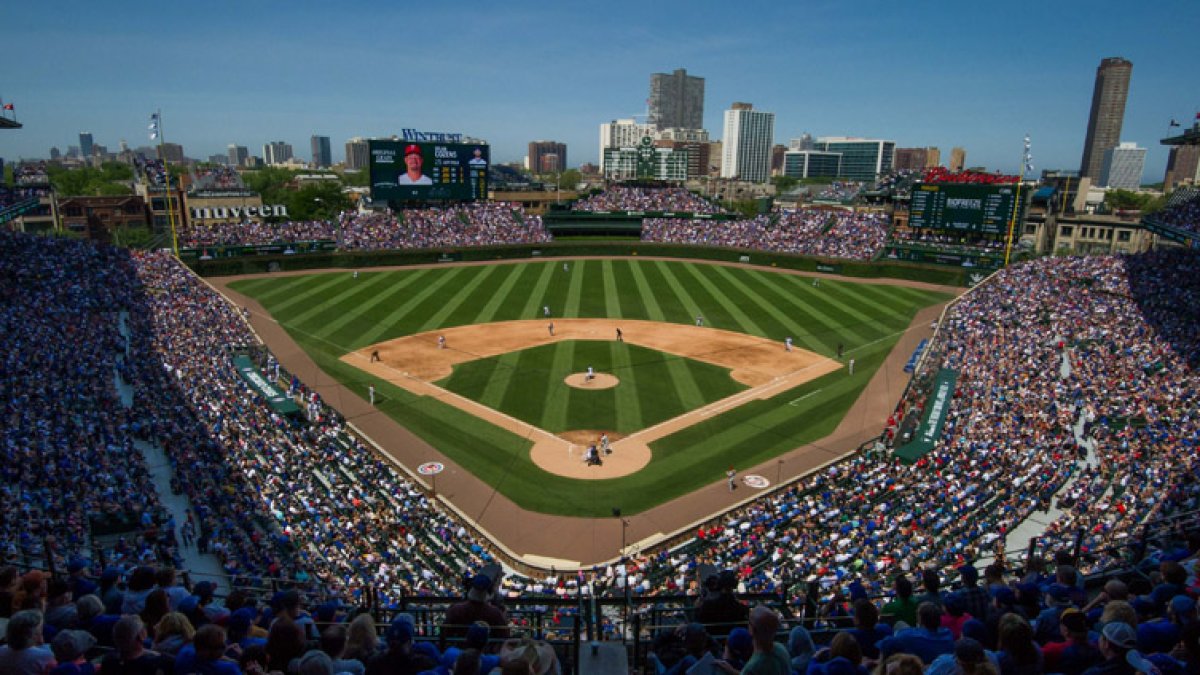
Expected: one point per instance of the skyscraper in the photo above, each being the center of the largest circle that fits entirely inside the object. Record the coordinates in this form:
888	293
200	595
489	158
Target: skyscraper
277	152
322	156
238	154
676	101
863	159
1123	167
1108	113
749	135
85	144
547	156
1183	166
958	159
357	153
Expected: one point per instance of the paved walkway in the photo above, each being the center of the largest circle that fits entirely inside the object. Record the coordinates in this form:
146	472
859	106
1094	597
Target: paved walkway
201	566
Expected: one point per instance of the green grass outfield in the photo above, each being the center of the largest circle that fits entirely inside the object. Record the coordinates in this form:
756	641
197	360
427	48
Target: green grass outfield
654	386
330	314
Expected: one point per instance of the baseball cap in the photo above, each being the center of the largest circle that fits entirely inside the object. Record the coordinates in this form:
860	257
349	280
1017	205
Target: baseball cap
1183	606
1059	592
969	573
481	588
412	150
1120	634
1074	620
400	631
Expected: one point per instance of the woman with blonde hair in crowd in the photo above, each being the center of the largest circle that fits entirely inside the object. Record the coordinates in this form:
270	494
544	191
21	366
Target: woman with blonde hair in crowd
362	639
172	633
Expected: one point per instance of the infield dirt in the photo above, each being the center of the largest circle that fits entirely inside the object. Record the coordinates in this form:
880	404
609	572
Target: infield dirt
415	362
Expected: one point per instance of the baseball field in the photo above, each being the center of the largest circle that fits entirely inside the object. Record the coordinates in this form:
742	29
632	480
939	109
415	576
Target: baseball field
465	357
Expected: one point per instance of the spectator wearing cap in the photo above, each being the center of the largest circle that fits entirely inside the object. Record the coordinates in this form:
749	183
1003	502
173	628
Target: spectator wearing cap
70	649
903	606
738	648
718	608
1173	577
25	653
955	613
315	662
867	630
477	607
400	658
1058	599
1117	638
206	654
131	656
1154	664
969	658
1017	653
477	641
79	578
975	598
927	640
240	629
1076	652
1181	610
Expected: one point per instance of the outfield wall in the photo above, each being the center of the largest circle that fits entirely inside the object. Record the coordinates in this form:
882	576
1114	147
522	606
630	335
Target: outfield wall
365	259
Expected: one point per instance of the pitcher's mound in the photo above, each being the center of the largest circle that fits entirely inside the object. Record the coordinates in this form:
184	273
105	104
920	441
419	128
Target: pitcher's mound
599	381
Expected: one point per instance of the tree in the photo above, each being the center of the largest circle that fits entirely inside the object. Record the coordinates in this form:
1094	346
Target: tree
569	179
316	201
784	183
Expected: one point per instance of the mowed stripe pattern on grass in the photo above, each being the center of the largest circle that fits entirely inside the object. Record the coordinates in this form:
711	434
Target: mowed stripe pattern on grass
330	314
645	396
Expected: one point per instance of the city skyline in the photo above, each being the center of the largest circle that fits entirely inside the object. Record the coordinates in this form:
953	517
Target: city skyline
975	77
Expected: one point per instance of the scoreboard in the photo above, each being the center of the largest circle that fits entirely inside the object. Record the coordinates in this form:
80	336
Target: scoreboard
424	171
986	209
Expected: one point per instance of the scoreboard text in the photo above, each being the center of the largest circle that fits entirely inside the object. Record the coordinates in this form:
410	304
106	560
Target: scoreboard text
987	209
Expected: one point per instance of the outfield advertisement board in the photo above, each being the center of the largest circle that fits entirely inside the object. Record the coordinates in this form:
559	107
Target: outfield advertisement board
423	171
986	209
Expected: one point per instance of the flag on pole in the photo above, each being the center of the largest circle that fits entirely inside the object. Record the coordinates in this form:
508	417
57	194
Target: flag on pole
9	106
1174	123
153	126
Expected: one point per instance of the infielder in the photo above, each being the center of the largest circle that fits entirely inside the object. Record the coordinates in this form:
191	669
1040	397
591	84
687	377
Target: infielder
787	343
731	474
699	320
371	393
441	342
551	328
546	310
604	444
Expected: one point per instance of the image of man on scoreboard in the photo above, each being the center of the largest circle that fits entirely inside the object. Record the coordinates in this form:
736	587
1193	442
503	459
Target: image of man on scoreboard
413	161
478	161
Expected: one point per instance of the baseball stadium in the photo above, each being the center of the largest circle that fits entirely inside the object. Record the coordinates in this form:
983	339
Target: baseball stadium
595	429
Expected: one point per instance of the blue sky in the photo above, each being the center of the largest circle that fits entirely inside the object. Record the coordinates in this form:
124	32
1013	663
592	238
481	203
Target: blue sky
971	74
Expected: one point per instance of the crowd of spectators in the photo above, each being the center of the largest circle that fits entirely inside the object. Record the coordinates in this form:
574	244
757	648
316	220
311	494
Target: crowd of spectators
1040	348
629	198
1182	213
948	242
478	224
217	178
152	171
840	191
252	233
820	232
1125	326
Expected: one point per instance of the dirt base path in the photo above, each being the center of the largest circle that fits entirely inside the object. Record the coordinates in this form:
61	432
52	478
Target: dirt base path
415	362
543	540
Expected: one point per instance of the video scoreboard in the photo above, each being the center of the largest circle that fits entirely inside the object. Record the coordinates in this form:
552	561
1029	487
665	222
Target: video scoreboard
427	171
987	209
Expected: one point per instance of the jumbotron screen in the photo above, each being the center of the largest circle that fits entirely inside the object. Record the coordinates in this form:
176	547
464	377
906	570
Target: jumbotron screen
408	171
974	208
